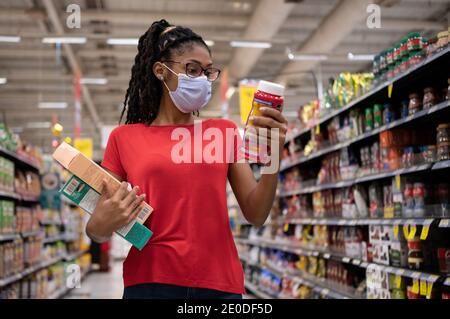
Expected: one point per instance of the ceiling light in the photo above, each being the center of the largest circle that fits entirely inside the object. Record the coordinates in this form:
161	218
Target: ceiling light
250	44
3	80
69	40
9	39
307	57
360	57
209	43
122	41
52	105
94	81
38	125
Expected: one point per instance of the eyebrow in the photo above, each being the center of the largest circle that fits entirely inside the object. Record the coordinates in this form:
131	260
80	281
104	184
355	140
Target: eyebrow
193	60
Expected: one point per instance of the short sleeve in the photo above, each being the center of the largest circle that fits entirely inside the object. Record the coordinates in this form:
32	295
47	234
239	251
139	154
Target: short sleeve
111	158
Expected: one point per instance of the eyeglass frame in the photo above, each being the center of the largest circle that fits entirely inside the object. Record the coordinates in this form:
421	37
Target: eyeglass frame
203	69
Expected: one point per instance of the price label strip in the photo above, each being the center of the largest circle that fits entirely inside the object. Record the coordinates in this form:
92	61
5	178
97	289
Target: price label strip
444	223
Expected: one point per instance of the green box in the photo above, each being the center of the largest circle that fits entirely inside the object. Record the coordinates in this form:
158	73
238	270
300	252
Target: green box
84	196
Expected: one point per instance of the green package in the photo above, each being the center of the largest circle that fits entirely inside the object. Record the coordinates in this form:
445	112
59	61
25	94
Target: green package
84	196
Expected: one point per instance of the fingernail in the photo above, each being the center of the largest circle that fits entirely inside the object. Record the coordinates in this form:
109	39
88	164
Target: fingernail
263	108
251	118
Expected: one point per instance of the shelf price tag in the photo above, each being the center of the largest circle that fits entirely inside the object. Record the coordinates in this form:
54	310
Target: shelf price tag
412	232
395	230
415	286
398	181
423	288
429	289
406	230
390	88
398	281
444	222
424	233
286	227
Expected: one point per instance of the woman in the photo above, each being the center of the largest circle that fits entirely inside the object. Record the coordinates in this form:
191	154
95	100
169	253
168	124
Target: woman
192	252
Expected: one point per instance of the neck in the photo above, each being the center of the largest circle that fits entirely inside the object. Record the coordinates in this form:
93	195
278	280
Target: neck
170	114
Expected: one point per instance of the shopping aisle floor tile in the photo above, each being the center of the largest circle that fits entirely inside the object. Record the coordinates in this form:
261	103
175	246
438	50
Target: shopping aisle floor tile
101	285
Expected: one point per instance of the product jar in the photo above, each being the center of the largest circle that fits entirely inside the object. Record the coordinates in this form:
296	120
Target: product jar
444	199
442	40
414	41
415	256
415	103
443	151
443	133
270	95
430	97
389	57
416	58
403	47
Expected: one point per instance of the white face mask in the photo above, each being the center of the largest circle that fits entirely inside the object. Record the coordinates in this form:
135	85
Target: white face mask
192	94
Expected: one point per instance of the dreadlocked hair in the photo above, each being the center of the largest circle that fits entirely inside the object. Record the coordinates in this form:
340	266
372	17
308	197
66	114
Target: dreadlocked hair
144	91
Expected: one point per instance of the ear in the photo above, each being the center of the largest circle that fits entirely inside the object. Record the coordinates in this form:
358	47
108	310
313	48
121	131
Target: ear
159	71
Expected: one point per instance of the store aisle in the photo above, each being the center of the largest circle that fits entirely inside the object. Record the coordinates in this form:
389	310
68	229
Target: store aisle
101	285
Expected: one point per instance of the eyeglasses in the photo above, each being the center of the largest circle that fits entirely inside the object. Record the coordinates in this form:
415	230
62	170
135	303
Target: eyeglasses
194	69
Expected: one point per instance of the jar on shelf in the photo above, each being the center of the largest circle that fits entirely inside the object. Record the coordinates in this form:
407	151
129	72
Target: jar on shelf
396	52
430	154
404	63
403	47
389	57
442	40
415	103
430	97
416	58
443	133
414	41
443	151
388	114
431	46
415	256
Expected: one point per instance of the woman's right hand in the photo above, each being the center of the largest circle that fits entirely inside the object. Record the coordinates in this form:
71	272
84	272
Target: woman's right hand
114	210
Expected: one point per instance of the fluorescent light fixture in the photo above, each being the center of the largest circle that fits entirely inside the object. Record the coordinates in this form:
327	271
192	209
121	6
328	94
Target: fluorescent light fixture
9	39
307	57
38	125
94	81
68	40
209	43
250	44
122	41
3	80
360	57
52	105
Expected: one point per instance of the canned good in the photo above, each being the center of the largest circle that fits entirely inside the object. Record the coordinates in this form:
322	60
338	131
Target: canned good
419	194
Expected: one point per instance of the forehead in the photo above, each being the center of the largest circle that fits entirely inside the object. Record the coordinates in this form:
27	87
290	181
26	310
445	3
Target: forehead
194	52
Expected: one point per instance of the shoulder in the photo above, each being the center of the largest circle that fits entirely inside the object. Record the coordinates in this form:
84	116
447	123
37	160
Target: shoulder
126	129
221	123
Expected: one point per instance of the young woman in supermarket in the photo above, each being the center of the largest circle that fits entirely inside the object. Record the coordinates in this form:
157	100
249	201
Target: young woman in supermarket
192	252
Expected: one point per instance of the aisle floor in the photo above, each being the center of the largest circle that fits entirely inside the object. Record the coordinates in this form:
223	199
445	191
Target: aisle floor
105	285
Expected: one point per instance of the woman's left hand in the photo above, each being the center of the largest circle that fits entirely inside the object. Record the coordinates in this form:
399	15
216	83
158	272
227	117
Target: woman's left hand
272	118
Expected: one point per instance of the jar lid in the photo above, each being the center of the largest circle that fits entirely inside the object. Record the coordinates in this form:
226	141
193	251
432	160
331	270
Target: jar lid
442	34
443	126
414	34
271	88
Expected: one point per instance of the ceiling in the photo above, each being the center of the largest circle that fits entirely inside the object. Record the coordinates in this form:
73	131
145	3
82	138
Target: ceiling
36	73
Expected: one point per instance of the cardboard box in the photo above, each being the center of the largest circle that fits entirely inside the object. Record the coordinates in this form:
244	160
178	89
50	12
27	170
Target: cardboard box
84	189
91	173
84	196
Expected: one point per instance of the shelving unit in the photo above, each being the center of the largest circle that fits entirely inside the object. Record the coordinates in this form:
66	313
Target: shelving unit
432	220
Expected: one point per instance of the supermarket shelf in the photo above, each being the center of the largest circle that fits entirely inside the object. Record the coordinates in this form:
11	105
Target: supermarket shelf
9	195
297	249
9	237
51	222
362	179
73	256
399	122
54	239
13	278
32	233
58	294
401	77
441	165
18	158
361	221
256	291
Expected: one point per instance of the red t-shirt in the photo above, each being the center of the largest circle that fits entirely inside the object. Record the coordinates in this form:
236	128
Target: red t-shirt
192	244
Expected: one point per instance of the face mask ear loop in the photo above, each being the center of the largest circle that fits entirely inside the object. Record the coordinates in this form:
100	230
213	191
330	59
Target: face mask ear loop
165	81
